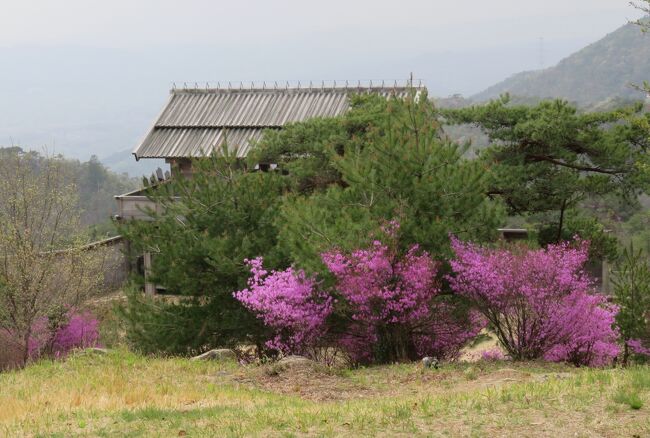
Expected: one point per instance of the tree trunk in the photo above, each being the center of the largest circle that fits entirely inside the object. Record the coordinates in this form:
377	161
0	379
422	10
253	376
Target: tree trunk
561	224
26	336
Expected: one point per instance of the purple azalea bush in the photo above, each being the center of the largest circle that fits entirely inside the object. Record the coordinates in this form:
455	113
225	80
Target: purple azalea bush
383	307
391	303
493	355
540	303
288	302
637	347
386	305
79	330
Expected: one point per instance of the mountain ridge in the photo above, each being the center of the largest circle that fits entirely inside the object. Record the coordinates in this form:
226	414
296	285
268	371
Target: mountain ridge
606	69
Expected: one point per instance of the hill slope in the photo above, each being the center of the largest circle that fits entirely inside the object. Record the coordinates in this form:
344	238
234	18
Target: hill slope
601	71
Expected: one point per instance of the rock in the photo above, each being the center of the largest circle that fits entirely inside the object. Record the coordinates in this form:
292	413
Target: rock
293	360
430	362
559	376
93	350
219	354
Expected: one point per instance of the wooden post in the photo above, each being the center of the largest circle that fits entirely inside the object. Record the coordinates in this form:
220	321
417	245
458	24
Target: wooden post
149	288
605	286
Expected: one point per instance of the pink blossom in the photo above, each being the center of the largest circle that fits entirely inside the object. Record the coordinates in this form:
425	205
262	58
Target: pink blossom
387	306
81	330
289	302
393	299
493	355
539	302
382	287
588	337
637	347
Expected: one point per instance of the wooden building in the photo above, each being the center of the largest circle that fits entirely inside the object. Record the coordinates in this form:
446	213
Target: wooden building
196	122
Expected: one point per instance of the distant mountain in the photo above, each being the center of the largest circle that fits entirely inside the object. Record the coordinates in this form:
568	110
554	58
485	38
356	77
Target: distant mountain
602	71
124	162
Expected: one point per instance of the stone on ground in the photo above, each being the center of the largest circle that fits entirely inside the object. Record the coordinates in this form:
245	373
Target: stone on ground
219	354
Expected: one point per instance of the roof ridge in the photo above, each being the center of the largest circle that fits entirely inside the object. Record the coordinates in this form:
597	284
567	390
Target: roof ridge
332	85
342	90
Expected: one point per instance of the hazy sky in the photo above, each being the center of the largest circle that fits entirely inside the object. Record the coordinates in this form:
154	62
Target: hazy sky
413	25
89	76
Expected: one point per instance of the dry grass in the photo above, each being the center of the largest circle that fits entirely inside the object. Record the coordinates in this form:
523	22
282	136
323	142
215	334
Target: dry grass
122	394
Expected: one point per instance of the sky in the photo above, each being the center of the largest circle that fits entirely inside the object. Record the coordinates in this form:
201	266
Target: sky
413	25
89	76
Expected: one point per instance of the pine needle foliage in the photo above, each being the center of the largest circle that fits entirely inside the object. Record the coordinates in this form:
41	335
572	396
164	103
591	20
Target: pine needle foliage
209	225
403	168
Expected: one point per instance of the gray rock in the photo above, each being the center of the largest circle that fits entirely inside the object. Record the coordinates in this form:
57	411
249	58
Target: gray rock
93	350
292	360
219	354
292	363
430	362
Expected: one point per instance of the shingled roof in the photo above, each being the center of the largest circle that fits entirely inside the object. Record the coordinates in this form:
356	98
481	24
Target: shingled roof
195	122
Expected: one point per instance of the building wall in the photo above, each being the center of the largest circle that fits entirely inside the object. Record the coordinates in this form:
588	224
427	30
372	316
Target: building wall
116	266
180	167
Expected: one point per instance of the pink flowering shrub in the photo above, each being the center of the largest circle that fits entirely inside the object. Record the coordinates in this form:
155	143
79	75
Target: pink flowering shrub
588	337
78	330
493	355
392	303
289	302
447	330
384	306
540	302
382	288
636	346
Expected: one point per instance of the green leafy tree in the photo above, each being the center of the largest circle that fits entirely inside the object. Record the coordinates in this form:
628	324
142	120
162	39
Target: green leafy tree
631	279
638	230
94	186
209	225
44	269
603	244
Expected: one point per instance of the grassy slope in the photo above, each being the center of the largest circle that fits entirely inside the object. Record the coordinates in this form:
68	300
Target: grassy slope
122	394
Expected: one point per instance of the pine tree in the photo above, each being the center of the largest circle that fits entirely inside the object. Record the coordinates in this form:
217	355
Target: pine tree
546	160
403	169
211	223
631	281
306	150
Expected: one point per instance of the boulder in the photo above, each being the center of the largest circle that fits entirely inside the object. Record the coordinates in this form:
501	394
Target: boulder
295	359
430	362
292	362
219	354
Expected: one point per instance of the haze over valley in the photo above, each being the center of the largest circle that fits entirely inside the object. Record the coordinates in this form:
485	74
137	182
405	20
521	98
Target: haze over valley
99	95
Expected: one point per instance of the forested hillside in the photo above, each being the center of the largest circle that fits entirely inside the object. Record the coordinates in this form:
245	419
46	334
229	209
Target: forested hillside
96	186
602	71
